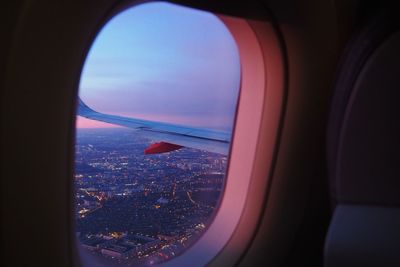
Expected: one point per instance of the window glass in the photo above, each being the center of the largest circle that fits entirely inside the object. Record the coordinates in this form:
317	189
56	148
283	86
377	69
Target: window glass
145	193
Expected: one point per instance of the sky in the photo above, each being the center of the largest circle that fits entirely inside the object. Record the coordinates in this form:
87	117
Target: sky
163	62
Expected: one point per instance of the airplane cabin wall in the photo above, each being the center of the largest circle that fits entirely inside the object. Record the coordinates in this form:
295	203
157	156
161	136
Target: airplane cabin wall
44	49
37	130
297	210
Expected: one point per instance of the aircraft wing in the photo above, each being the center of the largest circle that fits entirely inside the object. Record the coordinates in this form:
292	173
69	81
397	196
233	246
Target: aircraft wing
169	136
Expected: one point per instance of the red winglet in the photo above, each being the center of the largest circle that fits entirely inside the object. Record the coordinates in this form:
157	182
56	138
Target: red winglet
161	147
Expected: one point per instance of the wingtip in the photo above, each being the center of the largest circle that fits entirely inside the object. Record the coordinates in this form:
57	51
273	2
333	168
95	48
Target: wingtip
83	109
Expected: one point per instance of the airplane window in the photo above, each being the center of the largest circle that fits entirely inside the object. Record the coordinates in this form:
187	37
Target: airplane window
157	103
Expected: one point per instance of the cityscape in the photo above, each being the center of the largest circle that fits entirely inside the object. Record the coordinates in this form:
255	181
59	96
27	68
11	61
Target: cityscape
136	209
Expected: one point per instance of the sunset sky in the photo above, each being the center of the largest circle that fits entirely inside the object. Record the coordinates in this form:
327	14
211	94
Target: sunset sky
163	62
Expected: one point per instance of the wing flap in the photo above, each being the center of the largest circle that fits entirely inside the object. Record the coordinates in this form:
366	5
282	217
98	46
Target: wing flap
162	147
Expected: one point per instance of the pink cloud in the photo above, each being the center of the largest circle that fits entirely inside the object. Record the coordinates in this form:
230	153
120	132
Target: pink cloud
191	121
83	123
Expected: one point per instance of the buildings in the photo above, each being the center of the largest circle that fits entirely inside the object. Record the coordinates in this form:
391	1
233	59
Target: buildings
127	203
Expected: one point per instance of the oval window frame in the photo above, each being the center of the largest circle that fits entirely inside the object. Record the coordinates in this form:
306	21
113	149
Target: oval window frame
253	144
